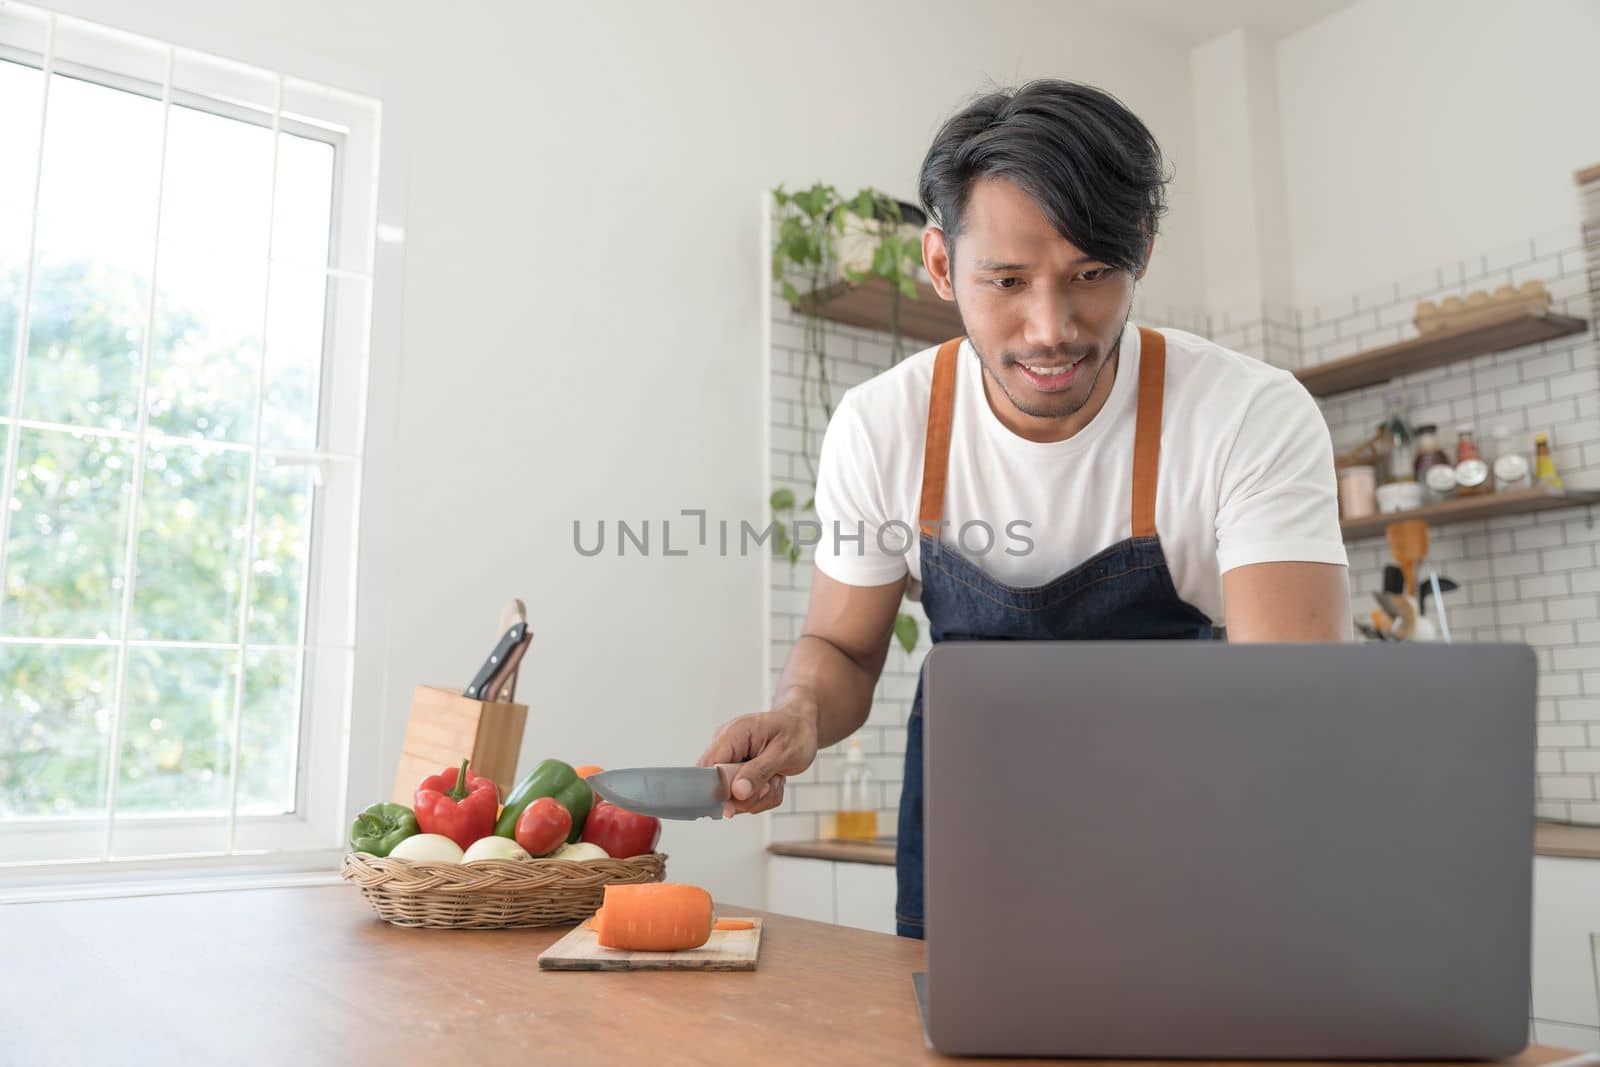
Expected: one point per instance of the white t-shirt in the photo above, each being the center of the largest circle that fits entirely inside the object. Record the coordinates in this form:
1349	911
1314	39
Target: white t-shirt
1246	475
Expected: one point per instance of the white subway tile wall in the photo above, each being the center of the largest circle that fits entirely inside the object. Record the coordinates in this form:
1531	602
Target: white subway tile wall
1532	578
798	419
1529	578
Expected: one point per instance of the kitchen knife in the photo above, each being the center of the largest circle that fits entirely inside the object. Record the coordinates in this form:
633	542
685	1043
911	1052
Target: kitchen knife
671	792
502	686
480	681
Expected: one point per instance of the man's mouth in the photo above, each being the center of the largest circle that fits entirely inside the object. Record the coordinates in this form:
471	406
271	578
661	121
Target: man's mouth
1051	376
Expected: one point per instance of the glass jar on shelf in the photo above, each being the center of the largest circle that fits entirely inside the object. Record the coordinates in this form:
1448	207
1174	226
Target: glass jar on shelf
1472	473
1429	454
1401	461
1508	462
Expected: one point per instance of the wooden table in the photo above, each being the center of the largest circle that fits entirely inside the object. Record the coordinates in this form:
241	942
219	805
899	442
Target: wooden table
308	976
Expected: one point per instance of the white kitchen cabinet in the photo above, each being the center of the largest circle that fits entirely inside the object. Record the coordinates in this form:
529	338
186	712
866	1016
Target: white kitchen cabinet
800	887
850	894
1561	1035
863	896
1566	917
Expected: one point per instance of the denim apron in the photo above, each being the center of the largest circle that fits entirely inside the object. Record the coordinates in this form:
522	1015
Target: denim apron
1122	593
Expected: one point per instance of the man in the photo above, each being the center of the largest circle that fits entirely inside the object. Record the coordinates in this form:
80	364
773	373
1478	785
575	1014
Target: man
1071	476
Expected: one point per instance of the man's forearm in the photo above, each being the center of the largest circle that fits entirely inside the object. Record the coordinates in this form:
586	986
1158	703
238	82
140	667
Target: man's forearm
820	678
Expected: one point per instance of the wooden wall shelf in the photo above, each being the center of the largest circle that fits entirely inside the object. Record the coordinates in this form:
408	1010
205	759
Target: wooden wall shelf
1513	328
1469	509
928	318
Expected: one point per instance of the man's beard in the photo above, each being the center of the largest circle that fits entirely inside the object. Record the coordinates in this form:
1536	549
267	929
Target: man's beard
1062	407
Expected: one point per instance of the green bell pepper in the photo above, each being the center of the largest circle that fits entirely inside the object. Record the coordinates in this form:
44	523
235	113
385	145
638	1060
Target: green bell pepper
552	778
381	827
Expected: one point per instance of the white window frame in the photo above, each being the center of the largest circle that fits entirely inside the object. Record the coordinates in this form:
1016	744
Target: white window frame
313	834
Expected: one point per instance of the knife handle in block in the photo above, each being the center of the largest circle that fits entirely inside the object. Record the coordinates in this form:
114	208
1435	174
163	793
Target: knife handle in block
503	686
513	613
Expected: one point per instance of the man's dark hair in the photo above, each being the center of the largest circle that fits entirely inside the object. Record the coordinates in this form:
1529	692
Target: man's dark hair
1086	160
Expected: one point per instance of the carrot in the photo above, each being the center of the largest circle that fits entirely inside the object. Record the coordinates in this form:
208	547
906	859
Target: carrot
734	924
586	770
655	917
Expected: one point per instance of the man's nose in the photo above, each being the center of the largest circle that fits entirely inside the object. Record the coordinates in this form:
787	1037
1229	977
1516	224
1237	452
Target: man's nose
1049	322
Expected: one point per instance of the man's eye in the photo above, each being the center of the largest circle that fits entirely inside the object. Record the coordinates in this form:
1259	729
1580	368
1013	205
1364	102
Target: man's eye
1096	274
1006	283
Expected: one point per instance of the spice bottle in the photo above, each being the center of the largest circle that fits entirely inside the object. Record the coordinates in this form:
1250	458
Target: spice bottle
1429	454
1401	461
1544	464
1472	473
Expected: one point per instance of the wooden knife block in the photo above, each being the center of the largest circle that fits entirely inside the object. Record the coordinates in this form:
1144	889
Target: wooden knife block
446	727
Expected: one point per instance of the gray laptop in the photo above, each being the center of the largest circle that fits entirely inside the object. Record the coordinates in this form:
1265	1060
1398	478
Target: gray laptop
1166	850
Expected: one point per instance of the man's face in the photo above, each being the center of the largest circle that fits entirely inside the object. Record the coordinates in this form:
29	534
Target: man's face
1043	316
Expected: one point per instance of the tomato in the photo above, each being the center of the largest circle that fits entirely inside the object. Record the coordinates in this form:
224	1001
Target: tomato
544	826
620	832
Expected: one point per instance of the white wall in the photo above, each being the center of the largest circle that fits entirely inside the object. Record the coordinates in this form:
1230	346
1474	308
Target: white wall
1244	231
1424	132
573	331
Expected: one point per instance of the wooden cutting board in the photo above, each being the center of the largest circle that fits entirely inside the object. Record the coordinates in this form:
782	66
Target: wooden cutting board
728	950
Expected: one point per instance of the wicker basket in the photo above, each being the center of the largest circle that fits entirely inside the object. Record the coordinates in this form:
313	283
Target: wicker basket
492	894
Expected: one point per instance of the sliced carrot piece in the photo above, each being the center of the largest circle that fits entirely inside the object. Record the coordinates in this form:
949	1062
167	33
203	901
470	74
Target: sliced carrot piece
734	924
654	917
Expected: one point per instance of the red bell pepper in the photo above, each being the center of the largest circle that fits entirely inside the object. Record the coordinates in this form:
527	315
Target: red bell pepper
459	805
620	832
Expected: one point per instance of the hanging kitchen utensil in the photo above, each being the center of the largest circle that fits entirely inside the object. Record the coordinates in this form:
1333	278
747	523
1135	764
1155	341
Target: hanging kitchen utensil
1405	628
1408	543
1440	586
1393	580
1436	586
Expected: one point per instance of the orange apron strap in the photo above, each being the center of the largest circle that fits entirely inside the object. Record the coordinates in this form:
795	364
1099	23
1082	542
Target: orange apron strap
1147	430
936	447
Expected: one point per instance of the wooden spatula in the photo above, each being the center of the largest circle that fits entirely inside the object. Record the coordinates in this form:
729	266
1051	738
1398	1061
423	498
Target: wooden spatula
1408	543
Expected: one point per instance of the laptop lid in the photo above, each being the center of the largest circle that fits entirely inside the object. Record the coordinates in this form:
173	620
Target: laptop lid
1194	849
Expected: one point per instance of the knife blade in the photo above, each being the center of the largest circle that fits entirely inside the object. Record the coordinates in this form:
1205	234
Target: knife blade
480	681
669	792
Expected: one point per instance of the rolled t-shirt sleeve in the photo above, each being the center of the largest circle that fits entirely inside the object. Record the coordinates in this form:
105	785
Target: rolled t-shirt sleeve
851	507
1278	492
